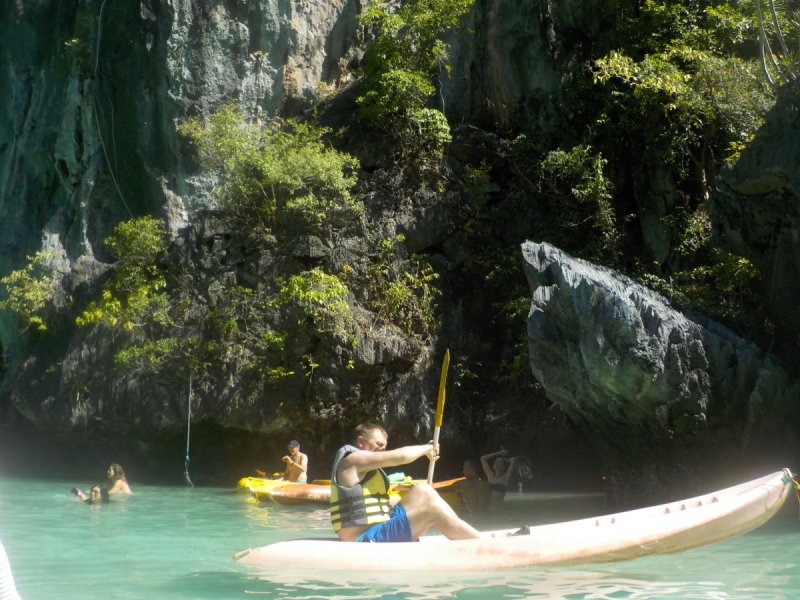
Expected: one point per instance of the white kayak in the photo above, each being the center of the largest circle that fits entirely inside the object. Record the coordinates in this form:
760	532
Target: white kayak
8	590
662	529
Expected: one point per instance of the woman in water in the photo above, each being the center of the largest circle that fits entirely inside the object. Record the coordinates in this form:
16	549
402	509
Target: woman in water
117	483
499	473
97	495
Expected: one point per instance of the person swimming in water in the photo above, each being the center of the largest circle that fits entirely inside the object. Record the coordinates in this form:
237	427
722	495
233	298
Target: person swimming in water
117	483
475	493
97	495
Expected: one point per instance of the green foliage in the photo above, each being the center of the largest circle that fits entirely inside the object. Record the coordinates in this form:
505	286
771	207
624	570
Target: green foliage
318	293
726	288
680	80
138	244
704	104
402	289
722	28
396	103
678	98
401	65
322	297
236	337
779	39
28	290
281	169
410	37
477	181
505	281
149	357
581	194
275	340
691	230
135	295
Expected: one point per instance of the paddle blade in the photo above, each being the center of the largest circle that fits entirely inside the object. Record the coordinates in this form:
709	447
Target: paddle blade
442	381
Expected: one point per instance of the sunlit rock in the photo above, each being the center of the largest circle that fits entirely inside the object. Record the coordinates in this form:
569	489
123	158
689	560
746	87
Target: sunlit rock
644	380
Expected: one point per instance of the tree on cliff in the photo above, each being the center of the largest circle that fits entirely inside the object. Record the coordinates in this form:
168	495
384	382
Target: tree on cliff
402	66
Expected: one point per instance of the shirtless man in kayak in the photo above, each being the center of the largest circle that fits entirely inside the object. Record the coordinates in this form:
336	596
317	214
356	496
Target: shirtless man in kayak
296	464
360	507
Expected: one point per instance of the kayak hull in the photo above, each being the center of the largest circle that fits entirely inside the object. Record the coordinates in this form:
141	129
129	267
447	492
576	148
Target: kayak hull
663	529
296	494
260	488
299	494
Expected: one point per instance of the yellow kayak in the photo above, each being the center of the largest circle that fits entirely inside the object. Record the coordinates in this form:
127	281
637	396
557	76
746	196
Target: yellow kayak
260	487
446	489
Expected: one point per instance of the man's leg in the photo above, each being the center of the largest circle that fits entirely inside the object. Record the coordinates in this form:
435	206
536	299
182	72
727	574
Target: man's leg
426	509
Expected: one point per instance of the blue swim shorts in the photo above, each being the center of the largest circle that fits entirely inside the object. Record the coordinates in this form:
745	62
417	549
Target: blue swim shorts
396	529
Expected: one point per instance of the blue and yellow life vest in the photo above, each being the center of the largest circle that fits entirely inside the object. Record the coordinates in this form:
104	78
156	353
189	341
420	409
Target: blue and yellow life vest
366	503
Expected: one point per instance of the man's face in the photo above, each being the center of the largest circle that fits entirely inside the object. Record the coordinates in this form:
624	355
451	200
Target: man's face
95	493
374	442
294	451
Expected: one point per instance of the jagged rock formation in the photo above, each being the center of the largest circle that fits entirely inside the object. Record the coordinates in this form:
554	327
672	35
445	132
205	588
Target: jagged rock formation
646	382
757	209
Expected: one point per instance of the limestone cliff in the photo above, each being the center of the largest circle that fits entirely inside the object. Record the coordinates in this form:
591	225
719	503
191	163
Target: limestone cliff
87	124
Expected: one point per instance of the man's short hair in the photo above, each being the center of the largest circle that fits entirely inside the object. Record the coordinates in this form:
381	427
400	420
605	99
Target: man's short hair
365	429
474	465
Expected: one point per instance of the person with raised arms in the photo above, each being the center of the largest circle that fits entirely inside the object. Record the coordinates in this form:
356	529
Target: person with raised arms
499	472
360	506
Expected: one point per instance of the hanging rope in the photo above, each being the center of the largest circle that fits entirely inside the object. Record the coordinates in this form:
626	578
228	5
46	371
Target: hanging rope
96	106
186	477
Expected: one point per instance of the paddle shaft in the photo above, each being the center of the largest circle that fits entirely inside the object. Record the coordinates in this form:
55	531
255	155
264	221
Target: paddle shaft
435	447
439	413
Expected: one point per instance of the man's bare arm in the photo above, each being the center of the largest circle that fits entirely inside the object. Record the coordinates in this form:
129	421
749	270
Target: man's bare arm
302	464
358	464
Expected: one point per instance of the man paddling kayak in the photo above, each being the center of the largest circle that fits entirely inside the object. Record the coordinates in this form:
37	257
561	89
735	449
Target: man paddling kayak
360	507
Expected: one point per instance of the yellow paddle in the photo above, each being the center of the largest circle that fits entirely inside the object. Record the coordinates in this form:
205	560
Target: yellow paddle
439	412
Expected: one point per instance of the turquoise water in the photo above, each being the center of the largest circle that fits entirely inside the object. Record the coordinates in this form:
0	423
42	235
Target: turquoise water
172	542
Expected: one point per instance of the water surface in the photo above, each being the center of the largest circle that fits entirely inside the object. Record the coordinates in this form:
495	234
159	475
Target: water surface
173	542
